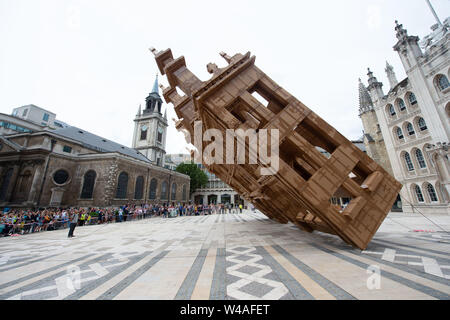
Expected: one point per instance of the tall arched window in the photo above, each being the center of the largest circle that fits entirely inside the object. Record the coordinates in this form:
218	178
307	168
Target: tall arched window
420	159
173	195
422	124
391	110
152	192
442	82
412	99
5	183
88	185
164	191
410	129
401	104
432	193
184	192
399	133
139	188
419	194
408	162
122	186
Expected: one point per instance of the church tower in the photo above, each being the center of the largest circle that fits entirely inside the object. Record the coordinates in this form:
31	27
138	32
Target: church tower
150	128
373	138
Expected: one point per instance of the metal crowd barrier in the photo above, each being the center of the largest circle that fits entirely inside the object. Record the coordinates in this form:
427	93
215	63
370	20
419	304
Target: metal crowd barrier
8	229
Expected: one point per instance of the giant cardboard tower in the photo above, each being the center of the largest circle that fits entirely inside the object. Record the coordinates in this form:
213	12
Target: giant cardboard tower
301	189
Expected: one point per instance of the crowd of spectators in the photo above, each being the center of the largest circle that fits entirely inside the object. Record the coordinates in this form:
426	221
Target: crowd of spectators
21	221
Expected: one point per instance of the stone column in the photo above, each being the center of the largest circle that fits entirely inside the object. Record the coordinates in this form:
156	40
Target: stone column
34	185
442	168
205	199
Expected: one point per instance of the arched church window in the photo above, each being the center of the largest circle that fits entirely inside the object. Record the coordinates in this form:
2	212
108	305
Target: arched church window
422	124
419	194
410	129
173	195
401	104
122	186
152	192
399	133
144	132
432	193
88	185
392	110
420	159
139	188
184	192
5	183
408	162
412	99
442	82
164	191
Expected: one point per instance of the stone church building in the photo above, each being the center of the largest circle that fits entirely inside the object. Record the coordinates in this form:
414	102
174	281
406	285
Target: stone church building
407	130
72	167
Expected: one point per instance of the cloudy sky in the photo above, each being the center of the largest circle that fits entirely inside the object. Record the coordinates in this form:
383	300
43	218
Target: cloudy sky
88	60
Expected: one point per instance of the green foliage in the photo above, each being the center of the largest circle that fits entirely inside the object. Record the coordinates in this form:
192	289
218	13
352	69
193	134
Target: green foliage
198	177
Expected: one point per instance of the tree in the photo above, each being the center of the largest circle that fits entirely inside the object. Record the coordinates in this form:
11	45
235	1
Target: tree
198	177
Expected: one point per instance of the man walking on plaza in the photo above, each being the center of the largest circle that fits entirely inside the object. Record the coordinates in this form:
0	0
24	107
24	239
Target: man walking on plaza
73	224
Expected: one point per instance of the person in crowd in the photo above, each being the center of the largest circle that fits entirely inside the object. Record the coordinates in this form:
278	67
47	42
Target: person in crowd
73	224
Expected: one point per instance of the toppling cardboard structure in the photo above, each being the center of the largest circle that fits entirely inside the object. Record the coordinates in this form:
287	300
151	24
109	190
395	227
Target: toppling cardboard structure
301	189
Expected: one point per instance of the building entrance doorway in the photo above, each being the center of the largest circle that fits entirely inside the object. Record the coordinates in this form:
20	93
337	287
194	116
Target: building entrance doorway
212	199
225	198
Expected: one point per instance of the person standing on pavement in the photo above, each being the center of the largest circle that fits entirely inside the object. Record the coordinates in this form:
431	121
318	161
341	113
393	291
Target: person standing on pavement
73	224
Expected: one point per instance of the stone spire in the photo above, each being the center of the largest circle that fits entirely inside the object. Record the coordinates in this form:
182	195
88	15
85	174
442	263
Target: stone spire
155	86
375	87
165	113
402	34
365	102
391	75
139	111
153	102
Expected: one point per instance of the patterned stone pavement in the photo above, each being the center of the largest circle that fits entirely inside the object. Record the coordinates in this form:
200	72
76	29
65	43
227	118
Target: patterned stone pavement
227	257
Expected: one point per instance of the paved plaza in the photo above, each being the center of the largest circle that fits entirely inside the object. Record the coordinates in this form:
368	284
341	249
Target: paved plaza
232	256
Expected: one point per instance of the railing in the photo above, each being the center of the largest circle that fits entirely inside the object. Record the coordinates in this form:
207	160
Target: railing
8	229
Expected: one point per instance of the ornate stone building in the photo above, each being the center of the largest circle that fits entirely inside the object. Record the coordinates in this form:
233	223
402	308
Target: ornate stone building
216	191
407	130
69	166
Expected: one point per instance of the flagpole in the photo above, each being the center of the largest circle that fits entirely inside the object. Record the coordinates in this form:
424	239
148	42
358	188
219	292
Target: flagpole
434	13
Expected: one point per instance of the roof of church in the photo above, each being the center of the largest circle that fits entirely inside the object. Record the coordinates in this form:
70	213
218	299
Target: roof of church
92	141
359	144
